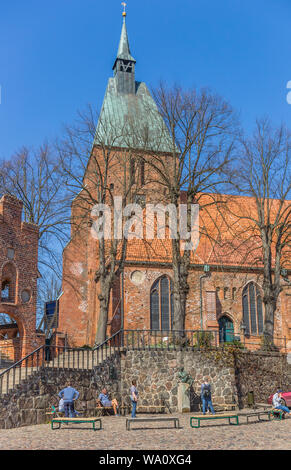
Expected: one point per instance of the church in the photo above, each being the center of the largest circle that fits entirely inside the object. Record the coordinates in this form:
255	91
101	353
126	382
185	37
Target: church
225	292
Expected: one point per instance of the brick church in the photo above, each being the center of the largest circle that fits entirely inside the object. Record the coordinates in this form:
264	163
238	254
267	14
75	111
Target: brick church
228	297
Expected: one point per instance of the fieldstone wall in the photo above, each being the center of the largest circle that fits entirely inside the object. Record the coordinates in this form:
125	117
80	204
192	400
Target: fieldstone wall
232	375
157	375
260	372
27	404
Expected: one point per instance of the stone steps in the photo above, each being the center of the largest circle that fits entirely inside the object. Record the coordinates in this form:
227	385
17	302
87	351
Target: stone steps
65	361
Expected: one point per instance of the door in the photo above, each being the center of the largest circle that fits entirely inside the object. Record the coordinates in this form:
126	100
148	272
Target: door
226	330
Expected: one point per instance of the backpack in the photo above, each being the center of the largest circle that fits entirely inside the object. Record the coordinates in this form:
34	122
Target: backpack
206	391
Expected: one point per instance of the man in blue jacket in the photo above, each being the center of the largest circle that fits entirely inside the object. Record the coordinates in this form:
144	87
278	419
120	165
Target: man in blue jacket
69	394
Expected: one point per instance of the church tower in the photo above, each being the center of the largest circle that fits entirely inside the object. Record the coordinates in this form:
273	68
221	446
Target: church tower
124	65
129	126
129	116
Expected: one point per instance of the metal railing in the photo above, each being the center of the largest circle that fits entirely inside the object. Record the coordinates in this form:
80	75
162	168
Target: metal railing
64	357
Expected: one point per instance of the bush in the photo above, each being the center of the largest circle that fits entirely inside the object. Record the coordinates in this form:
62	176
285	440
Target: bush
235	344
203	339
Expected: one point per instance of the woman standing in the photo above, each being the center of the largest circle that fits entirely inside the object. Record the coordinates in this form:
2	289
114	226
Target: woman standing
133	398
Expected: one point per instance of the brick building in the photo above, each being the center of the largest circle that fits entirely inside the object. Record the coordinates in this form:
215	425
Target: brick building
142	297
19	273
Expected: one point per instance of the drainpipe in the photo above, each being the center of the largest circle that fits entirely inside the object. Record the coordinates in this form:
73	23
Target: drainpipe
122	305
207	274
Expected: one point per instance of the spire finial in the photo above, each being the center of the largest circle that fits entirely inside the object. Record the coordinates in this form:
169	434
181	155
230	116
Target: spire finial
124	6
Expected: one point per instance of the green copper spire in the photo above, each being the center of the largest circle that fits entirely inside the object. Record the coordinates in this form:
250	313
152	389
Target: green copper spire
129	116
124	65
123	48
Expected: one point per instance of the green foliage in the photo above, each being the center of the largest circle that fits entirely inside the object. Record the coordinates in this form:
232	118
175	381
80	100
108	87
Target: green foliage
236	344
203	339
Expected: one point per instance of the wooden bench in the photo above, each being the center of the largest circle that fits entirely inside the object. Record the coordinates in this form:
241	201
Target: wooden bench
262	405
150	407
60	421
211	417
106	409
147	420
257	414
224	406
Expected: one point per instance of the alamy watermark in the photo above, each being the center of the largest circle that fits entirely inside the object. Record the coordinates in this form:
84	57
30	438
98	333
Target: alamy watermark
153	221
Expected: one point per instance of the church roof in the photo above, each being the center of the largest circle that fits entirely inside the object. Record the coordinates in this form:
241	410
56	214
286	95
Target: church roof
132	120
129	116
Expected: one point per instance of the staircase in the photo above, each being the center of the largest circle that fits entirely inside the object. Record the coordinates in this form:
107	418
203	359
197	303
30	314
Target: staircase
64	358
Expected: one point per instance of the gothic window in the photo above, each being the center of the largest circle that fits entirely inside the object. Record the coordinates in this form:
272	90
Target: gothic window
161	304
233	293
211	305
8	283
252	310
140	199
132	170
225	293
5	291
142	178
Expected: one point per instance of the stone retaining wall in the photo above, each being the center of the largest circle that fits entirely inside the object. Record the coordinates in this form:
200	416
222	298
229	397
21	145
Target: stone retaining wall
232	375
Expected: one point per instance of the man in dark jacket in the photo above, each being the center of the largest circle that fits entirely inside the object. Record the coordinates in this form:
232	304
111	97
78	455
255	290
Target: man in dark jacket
69	394
206	398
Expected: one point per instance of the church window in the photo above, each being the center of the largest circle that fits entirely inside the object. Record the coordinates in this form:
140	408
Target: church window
161	304
132	170
142	177
8	284
252	310
5	291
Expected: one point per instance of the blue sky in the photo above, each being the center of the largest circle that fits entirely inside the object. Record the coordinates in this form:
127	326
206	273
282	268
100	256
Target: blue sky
56	57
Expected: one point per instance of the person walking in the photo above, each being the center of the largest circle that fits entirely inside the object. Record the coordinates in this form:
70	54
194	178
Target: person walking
206	398
69	394
278	404
133	398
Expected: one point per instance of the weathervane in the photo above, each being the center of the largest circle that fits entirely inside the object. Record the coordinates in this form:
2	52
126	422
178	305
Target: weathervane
124	5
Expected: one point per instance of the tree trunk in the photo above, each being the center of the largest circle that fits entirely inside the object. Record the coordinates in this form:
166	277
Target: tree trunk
103	314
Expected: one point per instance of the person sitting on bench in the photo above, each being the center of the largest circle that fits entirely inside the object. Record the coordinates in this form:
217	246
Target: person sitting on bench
104	400
277	404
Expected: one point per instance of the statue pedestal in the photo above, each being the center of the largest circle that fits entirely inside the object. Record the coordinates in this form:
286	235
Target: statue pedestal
183	398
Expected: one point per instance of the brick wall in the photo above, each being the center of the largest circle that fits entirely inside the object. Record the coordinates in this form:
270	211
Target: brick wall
18	267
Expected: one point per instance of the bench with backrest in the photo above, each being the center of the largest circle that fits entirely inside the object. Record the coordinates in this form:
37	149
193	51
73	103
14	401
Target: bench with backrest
148	420
78	420
200	418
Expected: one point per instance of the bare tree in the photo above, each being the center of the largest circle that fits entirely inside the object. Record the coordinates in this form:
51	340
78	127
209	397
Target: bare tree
264	174
31	176
95	174
201	138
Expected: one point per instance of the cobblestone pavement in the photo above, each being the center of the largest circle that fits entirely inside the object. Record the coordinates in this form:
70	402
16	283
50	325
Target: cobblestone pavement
266	435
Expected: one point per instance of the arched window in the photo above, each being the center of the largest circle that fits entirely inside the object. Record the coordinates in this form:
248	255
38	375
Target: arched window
252	310
5	291
162	306
8	284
